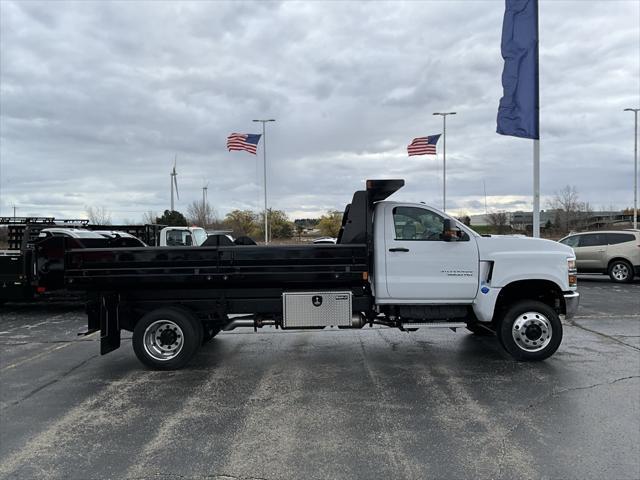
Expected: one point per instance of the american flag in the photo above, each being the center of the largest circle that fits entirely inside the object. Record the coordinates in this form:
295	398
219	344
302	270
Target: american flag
243	141
423	145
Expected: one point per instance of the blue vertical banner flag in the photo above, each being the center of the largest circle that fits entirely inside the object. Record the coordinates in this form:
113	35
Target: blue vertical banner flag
519	110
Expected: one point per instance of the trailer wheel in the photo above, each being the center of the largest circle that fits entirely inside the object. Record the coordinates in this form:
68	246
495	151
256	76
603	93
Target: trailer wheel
530	331
167	338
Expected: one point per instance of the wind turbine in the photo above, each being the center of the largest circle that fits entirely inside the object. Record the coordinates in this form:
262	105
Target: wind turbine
174	181
205	191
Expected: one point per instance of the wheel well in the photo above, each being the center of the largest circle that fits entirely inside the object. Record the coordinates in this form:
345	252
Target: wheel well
543	291
616	259
132	314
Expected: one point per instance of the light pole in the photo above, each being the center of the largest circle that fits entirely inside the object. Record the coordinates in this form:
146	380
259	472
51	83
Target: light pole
635	166
444	157
264	155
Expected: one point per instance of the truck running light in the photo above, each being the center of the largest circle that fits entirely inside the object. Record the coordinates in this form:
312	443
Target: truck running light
365	275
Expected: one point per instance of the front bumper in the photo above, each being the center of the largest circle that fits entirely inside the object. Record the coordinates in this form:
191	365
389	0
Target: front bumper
571	302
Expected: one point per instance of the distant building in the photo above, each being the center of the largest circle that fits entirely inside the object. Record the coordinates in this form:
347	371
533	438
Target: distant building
612	219
594	221
479	220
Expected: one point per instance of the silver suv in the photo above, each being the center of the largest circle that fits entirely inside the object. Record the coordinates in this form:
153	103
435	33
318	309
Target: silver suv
616	253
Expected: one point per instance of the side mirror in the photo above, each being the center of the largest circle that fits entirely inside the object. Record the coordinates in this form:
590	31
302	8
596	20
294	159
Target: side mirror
449	231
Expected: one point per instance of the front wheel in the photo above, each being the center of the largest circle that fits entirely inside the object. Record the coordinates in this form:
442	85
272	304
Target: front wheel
166	338
621	271
530	330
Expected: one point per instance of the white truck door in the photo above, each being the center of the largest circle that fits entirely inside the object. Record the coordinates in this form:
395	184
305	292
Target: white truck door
420	265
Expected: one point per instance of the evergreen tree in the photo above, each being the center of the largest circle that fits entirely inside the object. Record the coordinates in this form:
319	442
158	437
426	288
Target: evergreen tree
172	218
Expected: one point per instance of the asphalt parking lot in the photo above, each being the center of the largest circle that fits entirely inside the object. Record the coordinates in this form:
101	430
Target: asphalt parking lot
373	403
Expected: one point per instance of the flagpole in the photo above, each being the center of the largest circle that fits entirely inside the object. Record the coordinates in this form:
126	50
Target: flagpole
536	188
536	141
444	157
635	166
264	156
519	108
444	163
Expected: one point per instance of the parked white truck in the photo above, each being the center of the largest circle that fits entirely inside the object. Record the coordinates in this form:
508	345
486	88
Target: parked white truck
403	265
182	236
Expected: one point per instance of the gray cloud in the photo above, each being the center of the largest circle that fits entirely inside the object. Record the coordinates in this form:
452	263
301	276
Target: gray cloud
96	98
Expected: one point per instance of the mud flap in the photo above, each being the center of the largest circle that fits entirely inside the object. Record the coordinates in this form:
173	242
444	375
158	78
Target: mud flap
109	323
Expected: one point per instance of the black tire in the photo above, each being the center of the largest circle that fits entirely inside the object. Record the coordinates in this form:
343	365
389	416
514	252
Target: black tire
477	329
208	332
620	271
181	331
530	331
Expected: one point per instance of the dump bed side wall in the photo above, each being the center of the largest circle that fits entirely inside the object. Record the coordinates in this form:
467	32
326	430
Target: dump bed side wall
298	267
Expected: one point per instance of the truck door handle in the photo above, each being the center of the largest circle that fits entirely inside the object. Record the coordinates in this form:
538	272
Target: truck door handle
401	249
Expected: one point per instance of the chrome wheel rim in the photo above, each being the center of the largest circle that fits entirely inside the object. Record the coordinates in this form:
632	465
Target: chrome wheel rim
620	271
532	331
163	340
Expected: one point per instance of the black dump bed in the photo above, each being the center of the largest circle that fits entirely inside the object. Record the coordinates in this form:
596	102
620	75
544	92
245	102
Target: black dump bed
217	267
345	265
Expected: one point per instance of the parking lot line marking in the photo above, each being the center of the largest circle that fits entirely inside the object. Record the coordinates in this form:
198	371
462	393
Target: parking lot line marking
41	354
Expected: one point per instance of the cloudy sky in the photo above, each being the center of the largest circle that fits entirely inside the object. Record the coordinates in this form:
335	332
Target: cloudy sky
96	98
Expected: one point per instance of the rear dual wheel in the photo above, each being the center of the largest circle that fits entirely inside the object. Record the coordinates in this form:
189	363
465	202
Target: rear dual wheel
530	330
167	338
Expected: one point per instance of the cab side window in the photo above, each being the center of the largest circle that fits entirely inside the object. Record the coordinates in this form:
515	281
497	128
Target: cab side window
411	223
179	238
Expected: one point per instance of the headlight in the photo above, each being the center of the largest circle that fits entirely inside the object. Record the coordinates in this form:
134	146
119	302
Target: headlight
572	272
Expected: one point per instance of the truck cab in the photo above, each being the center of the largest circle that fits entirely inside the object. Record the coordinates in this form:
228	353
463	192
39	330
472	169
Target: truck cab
430	258
182	237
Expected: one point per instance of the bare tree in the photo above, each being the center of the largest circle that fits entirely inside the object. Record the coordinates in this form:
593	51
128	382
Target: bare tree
98	215
464	218
202	214
570	212
149	217
499	221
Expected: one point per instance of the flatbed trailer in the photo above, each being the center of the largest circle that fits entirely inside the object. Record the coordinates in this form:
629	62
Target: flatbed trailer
33	265
412	266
